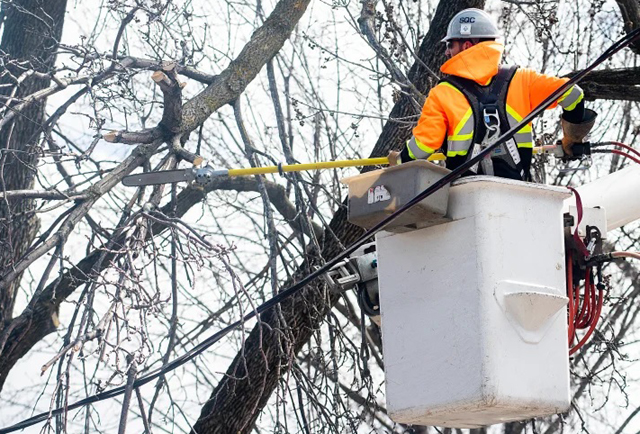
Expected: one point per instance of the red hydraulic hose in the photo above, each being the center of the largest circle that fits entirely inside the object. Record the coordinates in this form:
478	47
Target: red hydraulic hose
592	300
582	321
627	147
631	157
594	322
635	255
615	151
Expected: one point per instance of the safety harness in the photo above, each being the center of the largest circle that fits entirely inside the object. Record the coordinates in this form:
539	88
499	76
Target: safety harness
489	106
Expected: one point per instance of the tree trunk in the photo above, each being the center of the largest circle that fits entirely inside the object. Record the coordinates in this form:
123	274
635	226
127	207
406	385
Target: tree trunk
241	395
32	30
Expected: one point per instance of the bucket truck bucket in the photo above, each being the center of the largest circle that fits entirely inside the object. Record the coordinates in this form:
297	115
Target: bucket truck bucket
474	323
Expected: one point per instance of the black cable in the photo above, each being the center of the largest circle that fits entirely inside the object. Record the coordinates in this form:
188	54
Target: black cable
200	348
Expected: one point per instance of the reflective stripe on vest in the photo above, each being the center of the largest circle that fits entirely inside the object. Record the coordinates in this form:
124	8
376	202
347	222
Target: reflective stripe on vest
460	142
571	98
524	136
417	150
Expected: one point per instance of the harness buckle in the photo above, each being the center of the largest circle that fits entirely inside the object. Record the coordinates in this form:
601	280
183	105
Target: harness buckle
491	119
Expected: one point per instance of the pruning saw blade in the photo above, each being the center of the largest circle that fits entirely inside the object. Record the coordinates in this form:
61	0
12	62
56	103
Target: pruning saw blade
159	177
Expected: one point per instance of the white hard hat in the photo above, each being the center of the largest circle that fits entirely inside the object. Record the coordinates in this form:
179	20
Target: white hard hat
470	24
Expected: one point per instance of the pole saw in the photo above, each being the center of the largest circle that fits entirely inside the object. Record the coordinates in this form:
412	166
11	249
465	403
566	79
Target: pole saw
203	175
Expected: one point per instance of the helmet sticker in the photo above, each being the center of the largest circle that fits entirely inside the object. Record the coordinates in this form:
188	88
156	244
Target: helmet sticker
472	23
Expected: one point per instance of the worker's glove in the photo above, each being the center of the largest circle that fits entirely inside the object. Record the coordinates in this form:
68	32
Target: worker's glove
394	158
575	133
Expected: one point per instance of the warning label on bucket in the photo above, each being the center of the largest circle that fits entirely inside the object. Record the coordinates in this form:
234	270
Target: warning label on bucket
379	193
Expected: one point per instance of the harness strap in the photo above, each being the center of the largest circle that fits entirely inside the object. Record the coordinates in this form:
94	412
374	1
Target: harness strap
489	107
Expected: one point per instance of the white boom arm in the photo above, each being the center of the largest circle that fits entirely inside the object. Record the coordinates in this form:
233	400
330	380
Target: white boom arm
618	193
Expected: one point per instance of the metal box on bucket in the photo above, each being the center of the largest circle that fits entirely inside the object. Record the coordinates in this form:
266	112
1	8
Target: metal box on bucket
474	309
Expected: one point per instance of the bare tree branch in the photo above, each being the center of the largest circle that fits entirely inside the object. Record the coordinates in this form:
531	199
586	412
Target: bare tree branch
264	44
630	11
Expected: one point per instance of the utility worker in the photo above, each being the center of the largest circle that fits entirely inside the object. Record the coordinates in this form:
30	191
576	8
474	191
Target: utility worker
479	99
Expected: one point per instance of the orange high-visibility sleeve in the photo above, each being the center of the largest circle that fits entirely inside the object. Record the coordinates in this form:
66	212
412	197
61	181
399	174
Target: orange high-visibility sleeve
541	86
432	126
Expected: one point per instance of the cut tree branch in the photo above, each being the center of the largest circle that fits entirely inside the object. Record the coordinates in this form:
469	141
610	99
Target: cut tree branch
171	88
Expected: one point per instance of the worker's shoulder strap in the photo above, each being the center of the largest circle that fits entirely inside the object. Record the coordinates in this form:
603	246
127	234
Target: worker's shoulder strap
492	96
498	85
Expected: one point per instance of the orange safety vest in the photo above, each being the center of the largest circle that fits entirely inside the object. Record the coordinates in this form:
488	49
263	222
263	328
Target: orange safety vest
447	116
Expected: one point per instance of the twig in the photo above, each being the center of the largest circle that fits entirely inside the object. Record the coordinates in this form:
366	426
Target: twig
131	376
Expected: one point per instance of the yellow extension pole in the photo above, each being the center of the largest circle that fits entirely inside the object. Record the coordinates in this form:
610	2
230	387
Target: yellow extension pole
315	166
